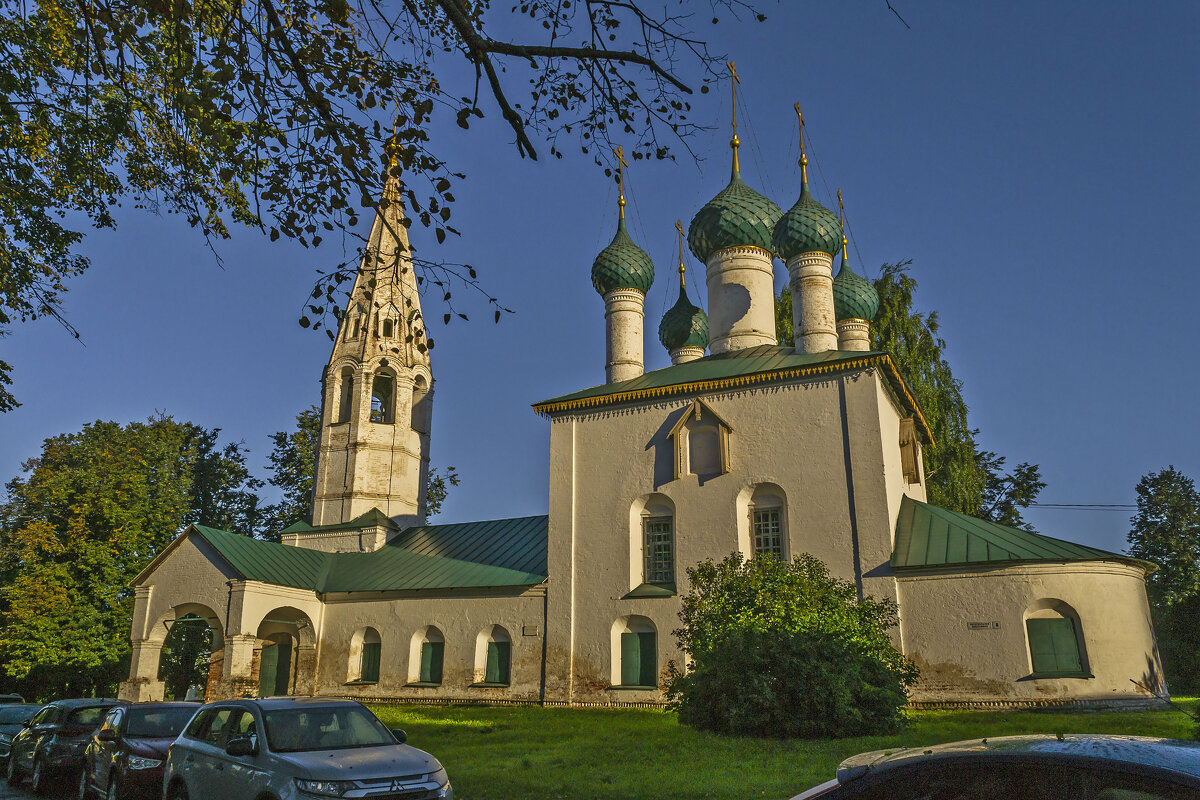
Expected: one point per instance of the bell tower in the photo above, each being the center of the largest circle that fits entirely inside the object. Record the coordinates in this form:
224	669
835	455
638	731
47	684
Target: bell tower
377	390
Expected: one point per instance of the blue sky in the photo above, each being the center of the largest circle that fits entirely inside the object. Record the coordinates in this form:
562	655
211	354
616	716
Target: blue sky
1037	162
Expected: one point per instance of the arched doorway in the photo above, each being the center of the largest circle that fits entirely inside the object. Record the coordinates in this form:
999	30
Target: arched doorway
183	653
284	654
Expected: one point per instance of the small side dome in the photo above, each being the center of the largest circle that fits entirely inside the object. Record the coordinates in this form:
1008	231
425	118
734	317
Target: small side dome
807	227
853	295
684	325
737	217
622	265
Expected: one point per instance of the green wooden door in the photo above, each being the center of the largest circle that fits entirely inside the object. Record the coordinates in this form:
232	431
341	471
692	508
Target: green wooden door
431	662
639	663
1054	647
370	662
268	665
499	657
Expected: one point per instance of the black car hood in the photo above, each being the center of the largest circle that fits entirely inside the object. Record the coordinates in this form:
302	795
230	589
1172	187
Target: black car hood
150	748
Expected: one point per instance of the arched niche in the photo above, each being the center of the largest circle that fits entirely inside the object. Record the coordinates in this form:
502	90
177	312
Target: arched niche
633	645
493	656
190	636
652	540
762	520
285	652
383	396
364	658
1055	642
344	394
426	656
422	403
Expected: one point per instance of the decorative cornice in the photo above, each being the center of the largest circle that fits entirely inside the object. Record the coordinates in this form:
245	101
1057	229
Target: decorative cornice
740	250
882	360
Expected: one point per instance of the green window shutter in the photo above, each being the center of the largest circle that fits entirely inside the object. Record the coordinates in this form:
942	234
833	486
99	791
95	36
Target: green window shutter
631	659
1053	646
498	659
648	674
431	662
370	662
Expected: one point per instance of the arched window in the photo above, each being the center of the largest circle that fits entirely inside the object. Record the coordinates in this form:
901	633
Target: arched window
426	657
493	657
383	398
345	394
365	649
422	405
389	327
635	653
652	541
1055	638
767	520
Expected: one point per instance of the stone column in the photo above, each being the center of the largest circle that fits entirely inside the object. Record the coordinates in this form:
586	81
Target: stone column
854	334
812	302
624	316
304	682
681	355
143	684
241	677
741	299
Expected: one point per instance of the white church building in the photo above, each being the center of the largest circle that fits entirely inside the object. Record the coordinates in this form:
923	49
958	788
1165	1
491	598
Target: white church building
740	445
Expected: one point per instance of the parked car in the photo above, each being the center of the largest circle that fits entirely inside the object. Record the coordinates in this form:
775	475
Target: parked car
1022	768
293	748
12	720
125	756
11	699
51	744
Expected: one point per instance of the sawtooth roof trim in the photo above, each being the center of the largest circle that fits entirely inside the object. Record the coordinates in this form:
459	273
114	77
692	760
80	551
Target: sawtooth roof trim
746	367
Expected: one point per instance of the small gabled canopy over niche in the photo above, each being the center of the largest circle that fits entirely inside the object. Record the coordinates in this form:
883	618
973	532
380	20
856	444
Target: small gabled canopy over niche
389	321
701	439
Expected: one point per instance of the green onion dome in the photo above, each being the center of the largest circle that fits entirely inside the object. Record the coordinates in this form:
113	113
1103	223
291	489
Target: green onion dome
807	227
737	217
622	265
684	325
853	295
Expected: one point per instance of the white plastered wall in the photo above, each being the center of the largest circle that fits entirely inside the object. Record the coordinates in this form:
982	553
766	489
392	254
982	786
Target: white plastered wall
966	631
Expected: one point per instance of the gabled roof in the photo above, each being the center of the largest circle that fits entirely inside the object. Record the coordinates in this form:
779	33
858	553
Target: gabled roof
749	366
497	553
928	536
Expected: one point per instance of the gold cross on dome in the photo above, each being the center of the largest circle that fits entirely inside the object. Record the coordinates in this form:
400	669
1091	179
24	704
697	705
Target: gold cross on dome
679	227
621	165
803	158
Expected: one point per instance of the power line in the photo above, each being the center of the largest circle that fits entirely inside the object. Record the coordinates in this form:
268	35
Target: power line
1085	506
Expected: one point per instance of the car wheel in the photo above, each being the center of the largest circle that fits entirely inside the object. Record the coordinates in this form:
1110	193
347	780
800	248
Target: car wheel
13	773
39	780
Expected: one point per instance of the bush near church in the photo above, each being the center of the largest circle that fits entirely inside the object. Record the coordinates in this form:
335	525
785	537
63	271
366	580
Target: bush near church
786	650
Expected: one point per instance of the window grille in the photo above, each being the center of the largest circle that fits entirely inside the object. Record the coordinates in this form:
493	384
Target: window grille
768	532
660	550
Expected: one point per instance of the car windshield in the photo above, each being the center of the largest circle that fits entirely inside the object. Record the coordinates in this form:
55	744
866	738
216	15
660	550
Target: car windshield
294	730
156	723
10	714
91	715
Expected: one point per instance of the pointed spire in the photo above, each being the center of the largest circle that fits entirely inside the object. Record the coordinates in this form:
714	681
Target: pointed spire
734	142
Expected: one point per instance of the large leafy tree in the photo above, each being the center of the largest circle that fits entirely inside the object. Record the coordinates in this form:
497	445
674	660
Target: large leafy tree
271	113
1166	531
959	475
293	463
785	650
88	514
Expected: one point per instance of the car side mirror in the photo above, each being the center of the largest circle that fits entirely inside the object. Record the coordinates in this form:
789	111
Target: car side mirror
242	746
107	735
400	735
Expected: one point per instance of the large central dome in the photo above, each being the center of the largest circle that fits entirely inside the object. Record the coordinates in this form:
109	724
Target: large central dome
737	217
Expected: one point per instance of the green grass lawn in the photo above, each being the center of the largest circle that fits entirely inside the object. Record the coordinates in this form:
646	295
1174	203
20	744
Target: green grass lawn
527	753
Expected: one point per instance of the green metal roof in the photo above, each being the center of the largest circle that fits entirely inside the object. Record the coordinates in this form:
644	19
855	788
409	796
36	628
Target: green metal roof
751	365
622	265
507	552
684	325
370	519
807	227
928	536
737	217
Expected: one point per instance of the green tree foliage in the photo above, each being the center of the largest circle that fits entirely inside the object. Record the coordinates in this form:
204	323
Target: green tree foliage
1166	531
271	113
184	662
786	650
87	516
959	476
293	463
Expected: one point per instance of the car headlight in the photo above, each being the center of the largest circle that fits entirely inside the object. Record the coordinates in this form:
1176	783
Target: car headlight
137	762
324	788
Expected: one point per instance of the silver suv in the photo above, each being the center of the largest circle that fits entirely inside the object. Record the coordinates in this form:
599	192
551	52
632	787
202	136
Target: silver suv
297	749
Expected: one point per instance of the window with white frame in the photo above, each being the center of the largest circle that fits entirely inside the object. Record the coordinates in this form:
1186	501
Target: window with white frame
768	532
